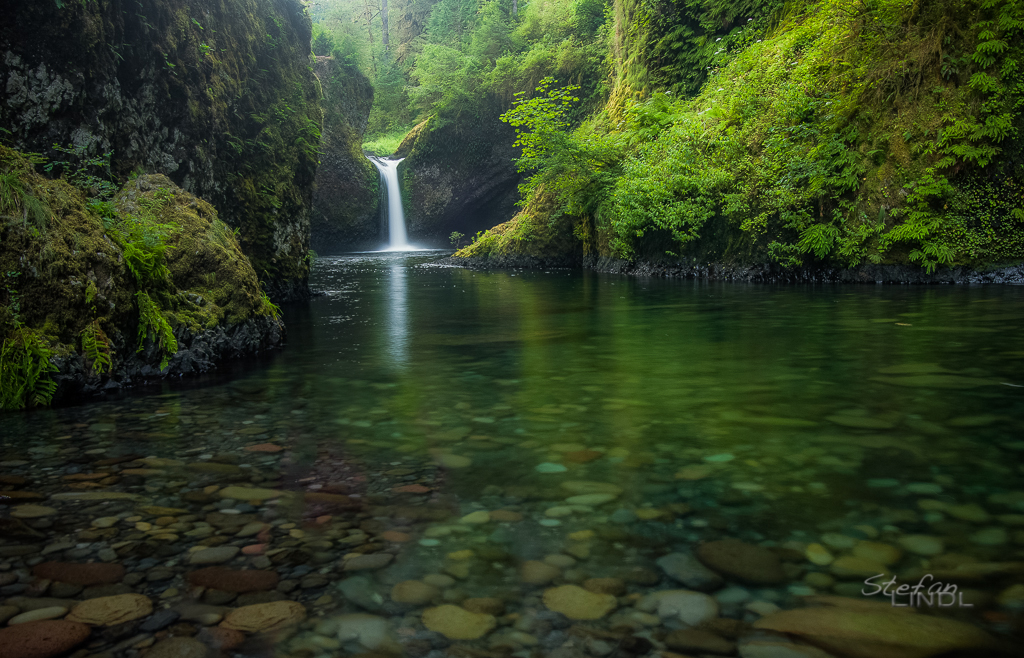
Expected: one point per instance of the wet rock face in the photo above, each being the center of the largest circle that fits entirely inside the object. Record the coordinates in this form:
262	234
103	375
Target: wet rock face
459	176
346	204
217	97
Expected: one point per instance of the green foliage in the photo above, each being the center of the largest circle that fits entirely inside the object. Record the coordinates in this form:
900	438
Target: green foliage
455	238
142	238
143	241
96	348
576	168
384	144
152	321
675	184
91	174
24	357
24	368
446	79
676	45
268	307
16	198
323	42
819	143
454	58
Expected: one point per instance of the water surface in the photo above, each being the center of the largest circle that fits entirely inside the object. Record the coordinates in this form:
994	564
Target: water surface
775	414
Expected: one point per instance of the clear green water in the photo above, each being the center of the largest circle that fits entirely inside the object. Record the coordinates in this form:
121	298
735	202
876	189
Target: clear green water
775	412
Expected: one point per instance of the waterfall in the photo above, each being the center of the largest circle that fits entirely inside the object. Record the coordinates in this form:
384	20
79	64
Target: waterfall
397	238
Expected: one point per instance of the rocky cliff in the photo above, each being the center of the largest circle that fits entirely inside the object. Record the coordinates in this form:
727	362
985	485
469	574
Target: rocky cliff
218	96
459	175
346	204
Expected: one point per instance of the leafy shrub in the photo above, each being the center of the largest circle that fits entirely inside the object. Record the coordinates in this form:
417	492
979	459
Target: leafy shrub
24	366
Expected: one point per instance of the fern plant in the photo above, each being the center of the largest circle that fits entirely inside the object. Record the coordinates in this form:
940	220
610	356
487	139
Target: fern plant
24	366
96	347
151	320
16	198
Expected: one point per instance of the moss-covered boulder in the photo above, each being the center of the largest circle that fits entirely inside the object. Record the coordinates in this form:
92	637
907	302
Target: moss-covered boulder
212	298
102	295
459	175
220	97
539	236
346	204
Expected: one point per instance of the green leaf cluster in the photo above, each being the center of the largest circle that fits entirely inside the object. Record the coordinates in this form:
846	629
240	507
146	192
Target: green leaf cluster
854	131
24	369
152	321
96	348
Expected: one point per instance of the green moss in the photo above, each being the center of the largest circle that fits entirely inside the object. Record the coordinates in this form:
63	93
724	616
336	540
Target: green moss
540	230
210	280
99	279
234	99
871	133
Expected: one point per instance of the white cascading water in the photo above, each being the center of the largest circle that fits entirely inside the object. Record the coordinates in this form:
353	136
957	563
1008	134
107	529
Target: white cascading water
397	238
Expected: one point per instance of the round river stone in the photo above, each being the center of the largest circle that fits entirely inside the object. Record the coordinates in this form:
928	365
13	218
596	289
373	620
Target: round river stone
265	616
234	580
746	562
112	610
457	623
86	575
41	639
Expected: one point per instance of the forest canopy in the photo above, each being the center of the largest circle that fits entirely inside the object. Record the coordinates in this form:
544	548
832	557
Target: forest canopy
844	132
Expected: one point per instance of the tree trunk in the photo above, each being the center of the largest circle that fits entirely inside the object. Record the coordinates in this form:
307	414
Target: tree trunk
515	8
384	22
368	15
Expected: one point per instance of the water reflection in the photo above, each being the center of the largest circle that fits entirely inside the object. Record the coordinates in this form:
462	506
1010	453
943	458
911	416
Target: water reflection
432	434
397	329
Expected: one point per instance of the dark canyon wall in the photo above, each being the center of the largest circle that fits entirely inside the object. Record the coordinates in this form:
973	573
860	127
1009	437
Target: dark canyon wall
218	95
346	204
459	175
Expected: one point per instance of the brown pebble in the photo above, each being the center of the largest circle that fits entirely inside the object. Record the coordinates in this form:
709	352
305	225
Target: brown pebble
395	536
613	586
730	629
41	639
745	562
221	639
690	639
79	574
485	605
234	580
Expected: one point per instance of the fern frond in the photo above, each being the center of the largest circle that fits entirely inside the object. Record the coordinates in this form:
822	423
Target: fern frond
24	365
96	347
151	319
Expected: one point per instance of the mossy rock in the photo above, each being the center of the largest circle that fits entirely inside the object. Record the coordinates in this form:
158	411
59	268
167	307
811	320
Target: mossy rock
50	265
64	263
219	97
459	174
212	280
